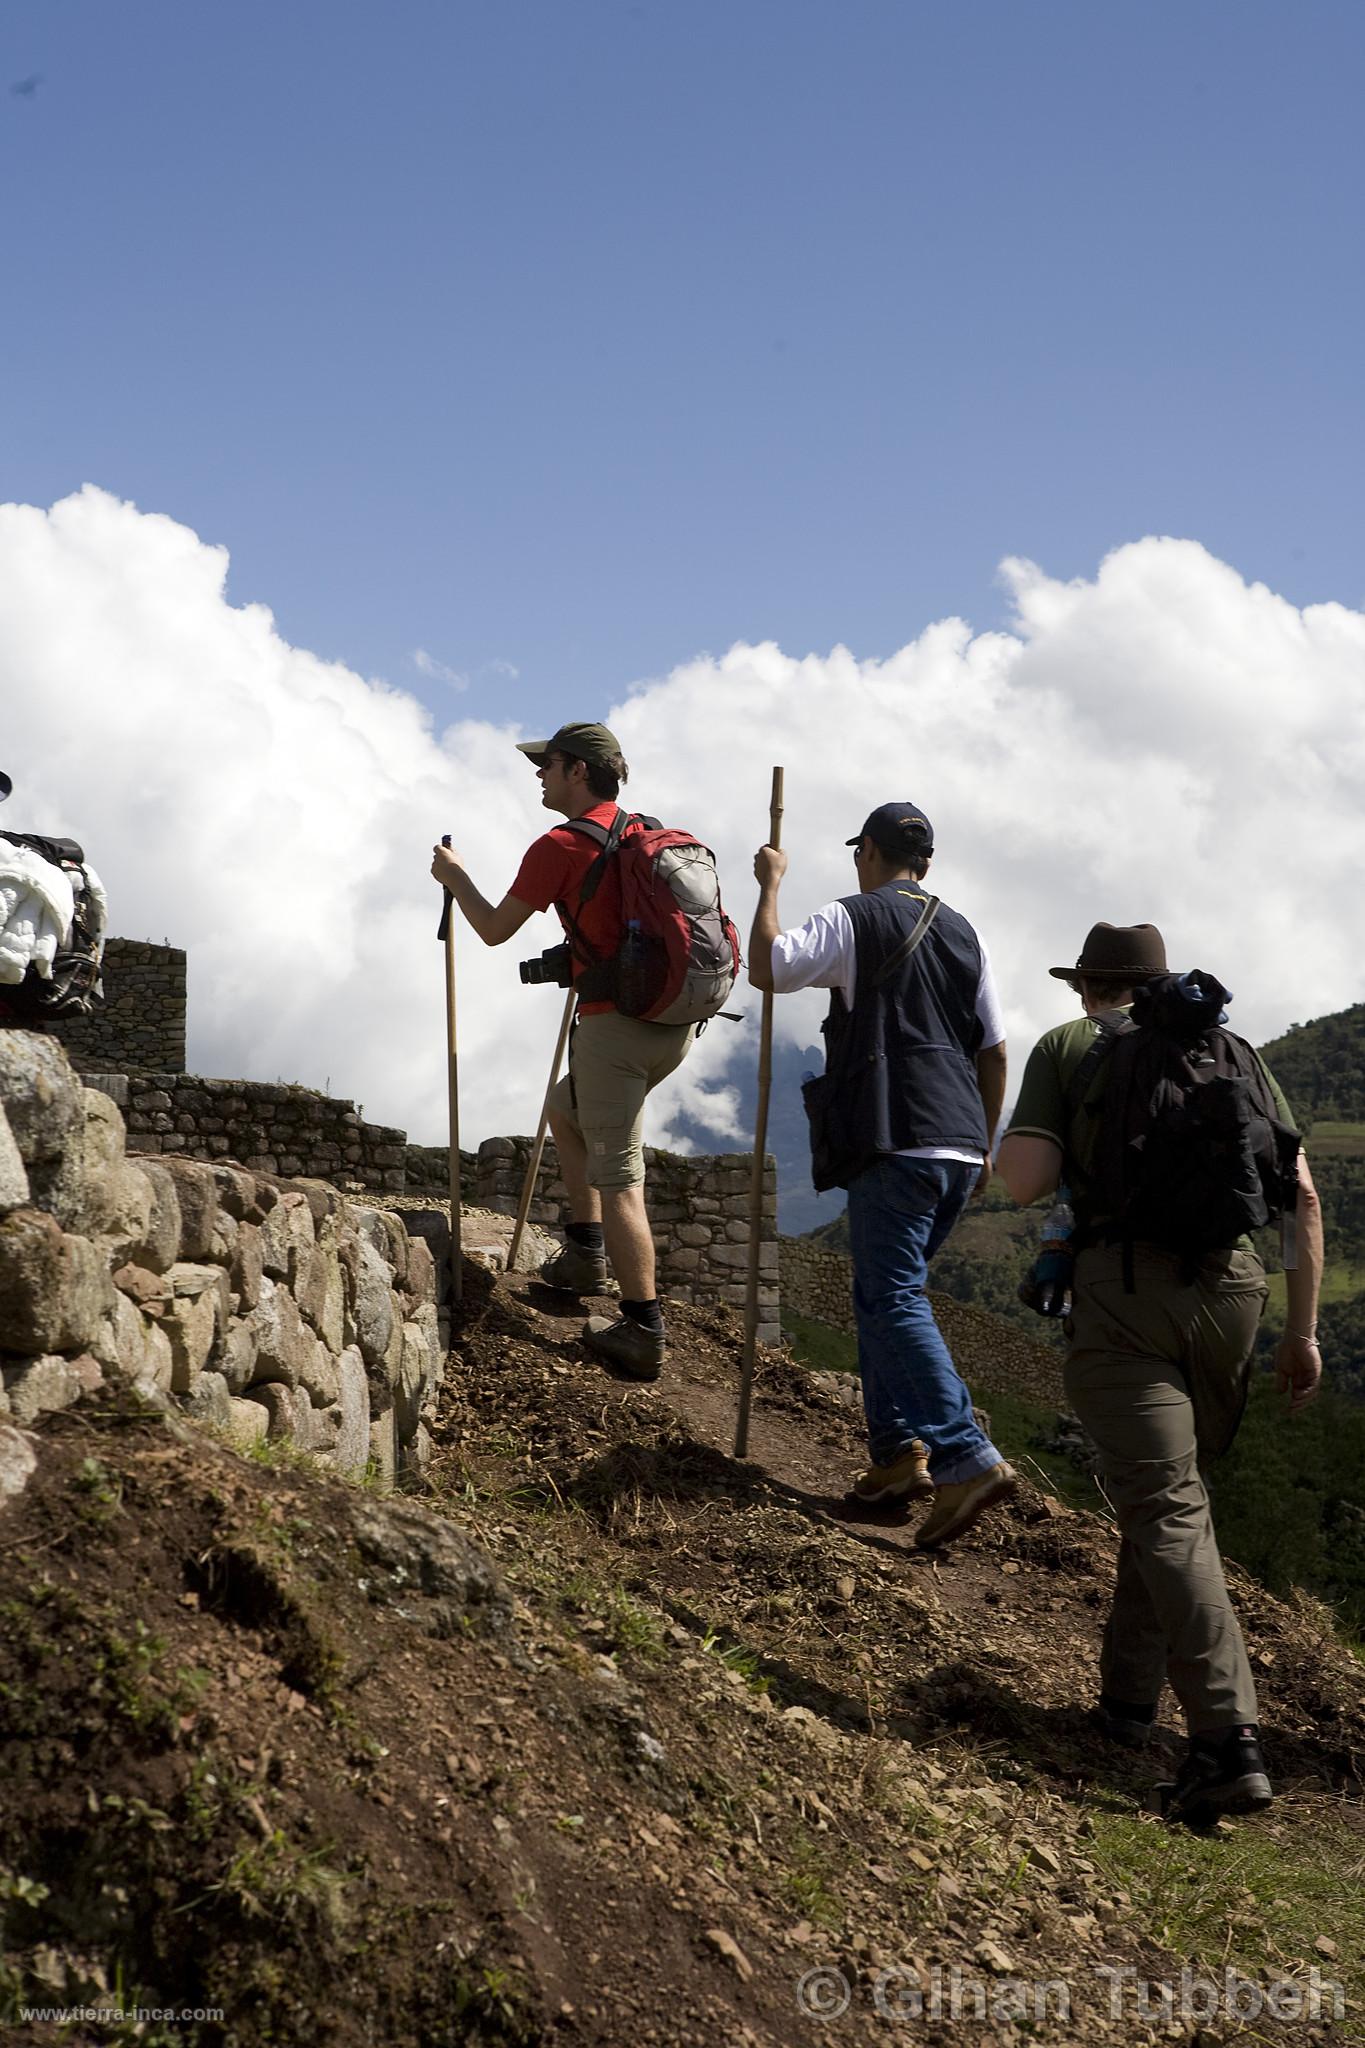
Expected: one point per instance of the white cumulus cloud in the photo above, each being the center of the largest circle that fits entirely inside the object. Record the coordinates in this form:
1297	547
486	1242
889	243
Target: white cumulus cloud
1162	742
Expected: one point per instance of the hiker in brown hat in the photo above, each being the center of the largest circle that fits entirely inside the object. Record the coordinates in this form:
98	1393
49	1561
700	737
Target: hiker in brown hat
1117	1109
597	1109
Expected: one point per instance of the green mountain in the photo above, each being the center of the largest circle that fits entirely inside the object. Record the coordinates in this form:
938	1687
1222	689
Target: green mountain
1321	1068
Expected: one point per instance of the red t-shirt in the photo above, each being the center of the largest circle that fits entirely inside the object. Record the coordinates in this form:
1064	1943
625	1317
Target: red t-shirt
553	869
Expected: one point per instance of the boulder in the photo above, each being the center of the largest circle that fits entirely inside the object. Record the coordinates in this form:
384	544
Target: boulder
87	1293
246	1424
421	1271
352	1449
14	1188
116	1207
196	1321
417	1552
31	1272
320	1432
209	1401
321	1296
225	1229
318	1375
247	1265
284	1344
373	1306
284	1410
287	1238
197	1196
382	1450
18	1461
415	1455
236	1189
41	1093
238	1360
160	1247
43	1384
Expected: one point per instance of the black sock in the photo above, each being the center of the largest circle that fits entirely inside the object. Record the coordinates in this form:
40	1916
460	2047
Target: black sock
587	1236
646	1313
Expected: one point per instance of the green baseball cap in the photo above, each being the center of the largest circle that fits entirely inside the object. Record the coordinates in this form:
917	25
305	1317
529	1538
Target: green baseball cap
594	744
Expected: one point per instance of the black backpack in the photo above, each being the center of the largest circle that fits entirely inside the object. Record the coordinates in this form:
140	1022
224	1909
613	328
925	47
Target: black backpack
74	987
1190	1152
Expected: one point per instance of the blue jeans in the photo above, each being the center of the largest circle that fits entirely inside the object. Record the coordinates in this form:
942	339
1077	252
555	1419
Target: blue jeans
899	1213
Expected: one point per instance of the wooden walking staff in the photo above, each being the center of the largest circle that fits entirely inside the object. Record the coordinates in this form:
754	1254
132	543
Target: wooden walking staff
446	930
765	1081
529	1185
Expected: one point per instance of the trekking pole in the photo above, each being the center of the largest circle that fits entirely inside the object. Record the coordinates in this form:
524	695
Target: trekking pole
765	1081
446	930
533	1168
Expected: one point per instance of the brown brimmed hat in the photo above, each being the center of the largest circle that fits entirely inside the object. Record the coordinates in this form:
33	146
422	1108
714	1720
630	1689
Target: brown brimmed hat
595	744
1131	952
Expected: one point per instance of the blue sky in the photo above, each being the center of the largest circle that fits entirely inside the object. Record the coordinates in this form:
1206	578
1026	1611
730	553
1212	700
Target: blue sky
577	338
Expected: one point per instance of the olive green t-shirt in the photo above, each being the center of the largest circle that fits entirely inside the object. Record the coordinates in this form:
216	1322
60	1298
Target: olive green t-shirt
1049	1108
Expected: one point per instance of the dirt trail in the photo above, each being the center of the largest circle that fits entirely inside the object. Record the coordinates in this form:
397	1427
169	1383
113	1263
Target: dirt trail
605	1738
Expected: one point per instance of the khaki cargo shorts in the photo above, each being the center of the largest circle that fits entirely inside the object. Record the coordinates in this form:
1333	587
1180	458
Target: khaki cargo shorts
614	1061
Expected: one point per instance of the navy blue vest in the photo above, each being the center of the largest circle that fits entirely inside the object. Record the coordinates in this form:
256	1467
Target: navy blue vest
900	1066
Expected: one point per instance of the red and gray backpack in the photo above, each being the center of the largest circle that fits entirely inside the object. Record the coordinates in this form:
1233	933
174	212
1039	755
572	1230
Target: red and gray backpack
678	955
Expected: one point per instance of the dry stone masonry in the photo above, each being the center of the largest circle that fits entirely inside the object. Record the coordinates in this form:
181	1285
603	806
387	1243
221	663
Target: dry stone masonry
816	1283
698	1209
269	1126
141	1024
270	1309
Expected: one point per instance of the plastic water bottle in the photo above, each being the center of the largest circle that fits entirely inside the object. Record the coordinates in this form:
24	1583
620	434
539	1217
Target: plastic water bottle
1046	1286
634	971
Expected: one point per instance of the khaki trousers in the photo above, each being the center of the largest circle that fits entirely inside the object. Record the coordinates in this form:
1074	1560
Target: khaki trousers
1159	1378
614	1061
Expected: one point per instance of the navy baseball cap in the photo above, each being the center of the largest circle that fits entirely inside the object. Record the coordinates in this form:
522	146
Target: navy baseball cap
897	830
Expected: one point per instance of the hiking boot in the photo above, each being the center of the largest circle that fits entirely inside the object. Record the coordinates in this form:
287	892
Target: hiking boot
1124	1722
626	1344
905	1478
959	1507
576	1271
1220	1774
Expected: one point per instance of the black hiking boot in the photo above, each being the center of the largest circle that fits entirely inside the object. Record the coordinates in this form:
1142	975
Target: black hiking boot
576	1271
1221	1774
627	1345
1122	1721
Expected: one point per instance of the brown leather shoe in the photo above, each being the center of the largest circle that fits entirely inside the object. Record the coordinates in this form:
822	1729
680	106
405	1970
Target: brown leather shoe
905	1478
958	1508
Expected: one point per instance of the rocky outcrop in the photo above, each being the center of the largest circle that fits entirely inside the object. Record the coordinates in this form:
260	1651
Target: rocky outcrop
267	1307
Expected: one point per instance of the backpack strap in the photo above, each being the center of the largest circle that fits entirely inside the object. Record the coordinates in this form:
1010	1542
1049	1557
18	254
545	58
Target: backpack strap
908	944
608	838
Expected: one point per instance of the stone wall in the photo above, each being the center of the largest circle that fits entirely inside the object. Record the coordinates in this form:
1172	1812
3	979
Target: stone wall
698	1207
265	1126
268	1309
140	1027
816	1282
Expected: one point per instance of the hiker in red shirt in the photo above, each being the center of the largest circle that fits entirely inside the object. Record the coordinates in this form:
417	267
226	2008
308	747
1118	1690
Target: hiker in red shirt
597	1109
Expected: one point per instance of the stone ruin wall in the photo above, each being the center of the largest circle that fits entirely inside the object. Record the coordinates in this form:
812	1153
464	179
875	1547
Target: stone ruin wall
133	1050
698	1209
266	1126
816	1283
268	1309
140	1026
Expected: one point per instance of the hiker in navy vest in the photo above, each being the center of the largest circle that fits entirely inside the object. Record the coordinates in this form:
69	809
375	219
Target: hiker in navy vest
597	1109
1166	1291
903	1117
